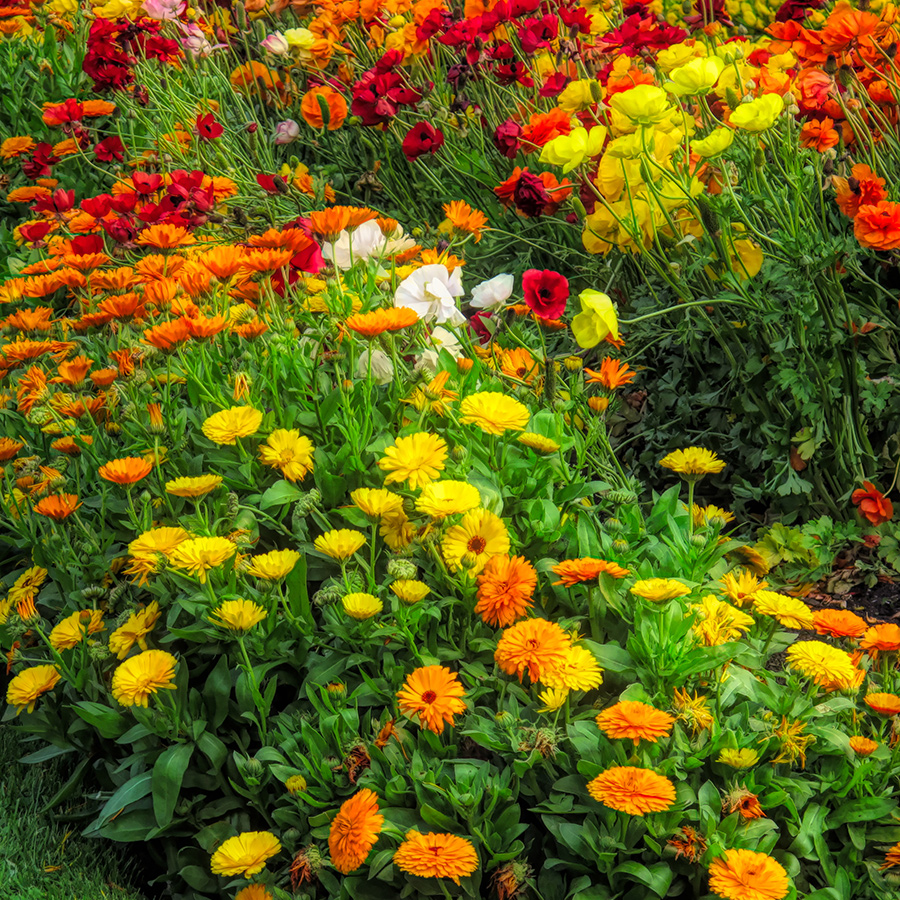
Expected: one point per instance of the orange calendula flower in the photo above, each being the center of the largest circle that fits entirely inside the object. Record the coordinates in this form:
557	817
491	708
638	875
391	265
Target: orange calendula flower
436	856
323	107
535	646
378	321
434	694
505	588
164	236
891	859
878	226
465	219
886	704
863	746
167	335
575	571
838	623
884	638
16	146
9	448
748	875
354	831
127	470
329	223
632	790
57	506
636	721
613	374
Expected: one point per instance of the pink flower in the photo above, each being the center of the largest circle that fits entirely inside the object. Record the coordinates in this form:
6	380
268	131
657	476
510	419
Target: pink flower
275	43
163	9
287	132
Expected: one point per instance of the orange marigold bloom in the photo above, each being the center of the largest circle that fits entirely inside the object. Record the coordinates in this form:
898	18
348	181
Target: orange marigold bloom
463	218
204	327
329	223
124	306
266	260
293	239
16	146
70	446
838	623
535	646
57	506
863	746
574	571
354	831
167	335
37	319
72	372
27	194
878	226
165	237
98	108
436	856
884	638
378	321
22	351
9	448
613	374
748	875
632	790
863	188
104	377
321	100
636	721
31	389
505	588
434	694
873	504
224	262
127	470
886	704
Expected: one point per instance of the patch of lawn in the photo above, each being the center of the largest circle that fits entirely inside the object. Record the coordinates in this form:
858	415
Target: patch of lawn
41	859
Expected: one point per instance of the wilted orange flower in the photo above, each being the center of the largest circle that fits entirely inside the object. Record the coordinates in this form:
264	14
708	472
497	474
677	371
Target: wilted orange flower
574	571
378	321
632	790
535	646
886	704
434	694
636	721
505	588
463	218
748	875
838	623
691	845
354	831
613	374
321	101
878	226
873	504
165	236
57	506
127	470
743	802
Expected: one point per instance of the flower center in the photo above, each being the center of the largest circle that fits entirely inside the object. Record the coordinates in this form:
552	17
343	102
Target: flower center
429	697
476	544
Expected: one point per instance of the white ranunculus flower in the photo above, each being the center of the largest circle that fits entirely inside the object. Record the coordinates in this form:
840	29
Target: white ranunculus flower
382	367
440	339
432	291
493	293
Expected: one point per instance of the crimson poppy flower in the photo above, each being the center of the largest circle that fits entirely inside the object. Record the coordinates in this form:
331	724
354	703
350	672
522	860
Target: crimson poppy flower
422	139
207	128
145	183
84	244
110	149
272	184
545	292
873	504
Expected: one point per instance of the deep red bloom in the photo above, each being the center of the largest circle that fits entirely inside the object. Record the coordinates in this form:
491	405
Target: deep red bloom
422	139
268	183
109	149
34	231
530	195
41	163
207	128
546	292
554	85
145	183
506	138
873	504
83	244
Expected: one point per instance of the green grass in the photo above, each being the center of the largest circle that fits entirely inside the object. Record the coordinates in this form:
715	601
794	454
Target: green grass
41	859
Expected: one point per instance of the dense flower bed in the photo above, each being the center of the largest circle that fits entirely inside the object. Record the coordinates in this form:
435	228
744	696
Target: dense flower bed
324	569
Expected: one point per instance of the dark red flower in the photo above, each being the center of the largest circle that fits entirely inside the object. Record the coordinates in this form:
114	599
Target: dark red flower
83	244
545	292
207	128
477	324
873	504
506	138
272	184
98	206
530	195
554	85
145	183
32	232
110	149
422	139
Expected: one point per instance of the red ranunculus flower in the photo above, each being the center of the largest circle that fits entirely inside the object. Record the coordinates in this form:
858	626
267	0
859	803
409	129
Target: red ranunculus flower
109	149
207	128
421	139
873	504
506	138
878	226
545	292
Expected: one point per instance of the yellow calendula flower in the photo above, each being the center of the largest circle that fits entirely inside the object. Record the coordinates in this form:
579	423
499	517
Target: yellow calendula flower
480	535
758	115
410	591
27	585
289	451
553	699
573	149
69	633
134	630
246	854
361	605
376	502
710	515
26	687
597	319
340	543
494	413
227	425
199	555
195	487
693	462
274	565
417	459
396	530
738	759
579	671
717	622
445	498
826	665
137	678
296	784
238	615
788	611
741	586
658	590
538	442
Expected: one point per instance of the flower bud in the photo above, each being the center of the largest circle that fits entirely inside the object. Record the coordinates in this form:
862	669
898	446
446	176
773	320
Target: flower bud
275	43
286	132
402	569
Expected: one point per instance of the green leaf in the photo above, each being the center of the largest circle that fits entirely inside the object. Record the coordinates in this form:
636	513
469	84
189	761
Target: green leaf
108	722
866	810
280	493
658	878
133	790
168	772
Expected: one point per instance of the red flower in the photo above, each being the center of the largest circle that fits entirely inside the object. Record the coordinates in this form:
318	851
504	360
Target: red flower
878	226
422	139
545	292
207	128
272	184
506	138
873	504
34	232
109	149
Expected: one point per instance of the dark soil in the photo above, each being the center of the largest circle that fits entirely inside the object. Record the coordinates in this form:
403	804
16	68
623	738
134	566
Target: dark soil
876	604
